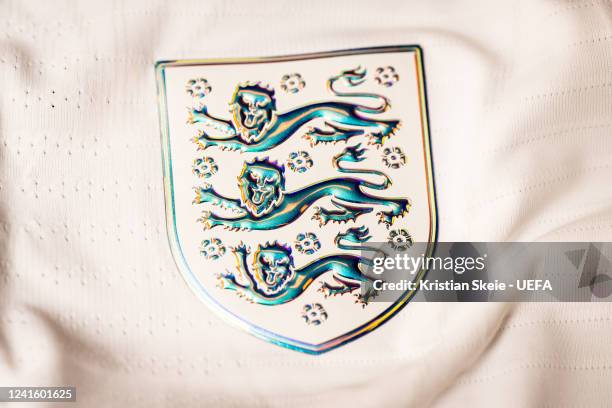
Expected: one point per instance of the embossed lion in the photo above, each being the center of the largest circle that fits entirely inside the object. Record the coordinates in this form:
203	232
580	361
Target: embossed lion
256	125
273	279
265	204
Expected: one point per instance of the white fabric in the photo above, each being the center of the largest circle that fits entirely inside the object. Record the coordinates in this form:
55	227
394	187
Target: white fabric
520	99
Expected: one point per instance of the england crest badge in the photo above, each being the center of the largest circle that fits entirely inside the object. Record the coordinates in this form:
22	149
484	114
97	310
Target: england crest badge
278	169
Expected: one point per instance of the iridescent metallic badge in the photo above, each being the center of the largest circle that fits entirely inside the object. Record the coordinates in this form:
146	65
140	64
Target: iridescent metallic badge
278	170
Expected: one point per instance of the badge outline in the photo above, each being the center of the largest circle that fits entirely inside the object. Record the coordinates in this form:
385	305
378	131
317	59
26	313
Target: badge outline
169	200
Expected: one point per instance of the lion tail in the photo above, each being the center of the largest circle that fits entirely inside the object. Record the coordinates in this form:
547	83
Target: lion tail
353	78
355	154
359	235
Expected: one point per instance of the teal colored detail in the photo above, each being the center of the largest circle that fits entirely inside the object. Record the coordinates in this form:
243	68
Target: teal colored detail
256	125
272	278
264	204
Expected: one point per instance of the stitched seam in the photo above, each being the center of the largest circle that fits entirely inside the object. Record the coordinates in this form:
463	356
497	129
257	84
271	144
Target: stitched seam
542	136
591	41
583	229
539	366
569	91
579	6
555	322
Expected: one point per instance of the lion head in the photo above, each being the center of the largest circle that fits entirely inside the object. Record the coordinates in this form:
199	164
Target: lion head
273	268
261	183
253	107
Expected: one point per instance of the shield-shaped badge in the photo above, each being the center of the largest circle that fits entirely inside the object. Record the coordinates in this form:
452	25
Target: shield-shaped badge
276	169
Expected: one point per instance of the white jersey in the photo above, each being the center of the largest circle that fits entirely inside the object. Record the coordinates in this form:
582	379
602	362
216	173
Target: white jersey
520	114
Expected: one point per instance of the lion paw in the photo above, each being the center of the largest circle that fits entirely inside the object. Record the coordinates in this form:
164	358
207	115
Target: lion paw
319	217
200	192
191	117
202	141
323	290
241	249
386	218
225	280
405	208
205	220
329	290
364	298
310	136
378	138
